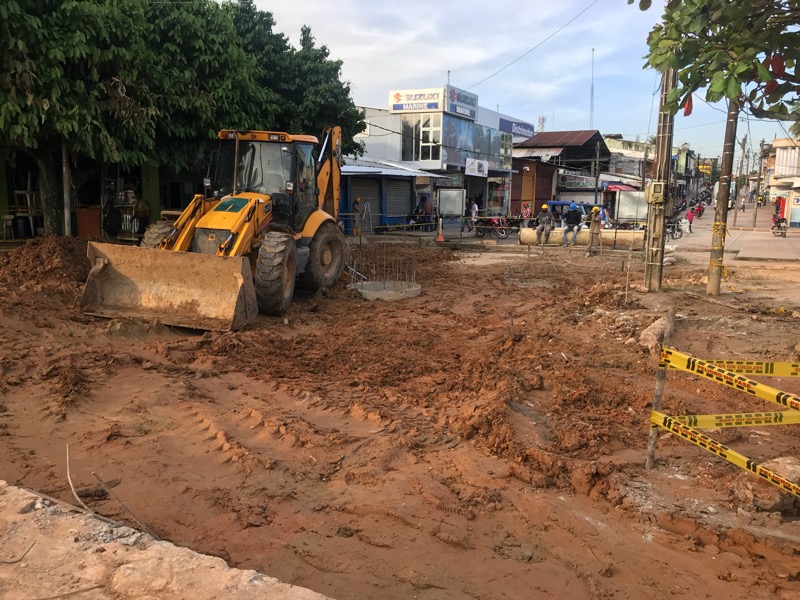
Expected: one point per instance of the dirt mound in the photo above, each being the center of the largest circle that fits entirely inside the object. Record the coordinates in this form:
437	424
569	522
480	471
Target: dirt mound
46	263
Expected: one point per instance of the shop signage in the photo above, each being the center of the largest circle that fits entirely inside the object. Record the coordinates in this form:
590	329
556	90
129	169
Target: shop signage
421	100
478	168
461	102
518	128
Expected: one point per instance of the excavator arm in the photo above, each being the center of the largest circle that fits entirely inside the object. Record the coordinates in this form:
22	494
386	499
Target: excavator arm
329	171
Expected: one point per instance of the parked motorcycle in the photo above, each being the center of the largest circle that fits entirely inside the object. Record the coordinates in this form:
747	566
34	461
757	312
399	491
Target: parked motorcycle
497	225
673	228
779	226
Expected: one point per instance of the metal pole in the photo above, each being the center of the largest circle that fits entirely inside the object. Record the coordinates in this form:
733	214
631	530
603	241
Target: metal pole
723	196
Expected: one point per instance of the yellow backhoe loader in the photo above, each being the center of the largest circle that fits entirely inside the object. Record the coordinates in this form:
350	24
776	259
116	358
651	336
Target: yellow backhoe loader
268	220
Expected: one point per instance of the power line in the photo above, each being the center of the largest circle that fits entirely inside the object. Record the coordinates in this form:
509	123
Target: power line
534	48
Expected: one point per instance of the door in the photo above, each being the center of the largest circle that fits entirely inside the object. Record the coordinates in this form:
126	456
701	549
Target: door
369	190
399	198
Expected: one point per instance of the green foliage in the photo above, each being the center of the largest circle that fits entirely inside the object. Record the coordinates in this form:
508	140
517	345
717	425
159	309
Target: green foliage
308	83
746	49
139	81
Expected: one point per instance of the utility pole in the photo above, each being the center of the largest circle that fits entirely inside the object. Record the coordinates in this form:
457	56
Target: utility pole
738	179
657	193
596	169
758	180
67	182
723	195
644	165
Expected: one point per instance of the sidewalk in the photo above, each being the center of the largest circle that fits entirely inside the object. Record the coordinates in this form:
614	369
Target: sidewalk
746	241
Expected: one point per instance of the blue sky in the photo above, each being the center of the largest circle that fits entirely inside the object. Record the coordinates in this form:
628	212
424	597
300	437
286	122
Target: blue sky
413	44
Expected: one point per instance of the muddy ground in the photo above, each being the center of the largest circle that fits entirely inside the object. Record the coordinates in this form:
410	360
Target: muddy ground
485	439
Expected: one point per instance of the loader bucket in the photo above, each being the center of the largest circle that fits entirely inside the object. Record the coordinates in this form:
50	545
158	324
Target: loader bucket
187	289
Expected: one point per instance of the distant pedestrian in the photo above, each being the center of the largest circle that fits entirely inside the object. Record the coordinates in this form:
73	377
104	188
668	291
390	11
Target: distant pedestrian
526	215
690	219
473	211
605	218
594	231
545	224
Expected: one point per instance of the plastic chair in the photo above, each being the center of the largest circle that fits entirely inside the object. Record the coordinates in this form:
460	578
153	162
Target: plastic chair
8	224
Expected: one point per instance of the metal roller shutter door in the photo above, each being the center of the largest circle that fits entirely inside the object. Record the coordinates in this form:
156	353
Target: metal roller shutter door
369	190
398	197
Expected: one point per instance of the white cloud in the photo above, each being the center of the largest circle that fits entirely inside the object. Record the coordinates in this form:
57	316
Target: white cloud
413	44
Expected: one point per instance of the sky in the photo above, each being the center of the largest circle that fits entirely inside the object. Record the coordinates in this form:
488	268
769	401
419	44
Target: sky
529	59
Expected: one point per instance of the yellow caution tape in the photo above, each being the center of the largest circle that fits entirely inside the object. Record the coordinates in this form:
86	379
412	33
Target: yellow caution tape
673	359
672	425
752	367
789	417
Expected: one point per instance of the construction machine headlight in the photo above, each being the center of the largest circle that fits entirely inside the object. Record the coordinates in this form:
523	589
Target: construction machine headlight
289	186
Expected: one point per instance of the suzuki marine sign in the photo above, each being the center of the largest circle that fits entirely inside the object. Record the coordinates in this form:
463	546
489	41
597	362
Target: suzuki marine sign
460	102
422	100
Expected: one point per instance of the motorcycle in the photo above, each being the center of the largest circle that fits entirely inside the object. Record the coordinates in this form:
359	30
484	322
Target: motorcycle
699	210
673	228
779	226
497	225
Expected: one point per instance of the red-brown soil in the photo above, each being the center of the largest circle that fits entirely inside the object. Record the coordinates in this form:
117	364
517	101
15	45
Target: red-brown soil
485	439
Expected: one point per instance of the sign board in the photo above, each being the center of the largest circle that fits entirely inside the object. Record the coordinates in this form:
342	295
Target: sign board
451	202
631	206
517	128
419	100
478	168
460	102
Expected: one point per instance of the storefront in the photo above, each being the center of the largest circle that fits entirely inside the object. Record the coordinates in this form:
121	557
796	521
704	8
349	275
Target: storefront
440	136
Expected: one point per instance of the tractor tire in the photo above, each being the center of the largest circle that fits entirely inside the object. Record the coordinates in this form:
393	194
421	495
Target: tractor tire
326	258
276	269
155	234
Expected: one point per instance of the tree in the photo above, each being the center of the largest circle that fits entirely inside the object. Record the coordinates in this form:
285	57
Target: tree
746	49
306	81
72	71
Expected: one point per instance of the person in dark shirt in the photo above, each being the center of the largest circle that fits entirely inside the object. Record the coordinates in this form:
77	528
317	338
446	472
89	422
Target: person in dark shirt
572	223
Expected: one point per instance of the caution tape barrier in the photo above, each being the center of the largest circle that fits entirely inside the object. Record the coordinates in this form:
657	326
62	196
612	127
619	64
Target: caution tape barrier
788	417
732	373
697	438
672	359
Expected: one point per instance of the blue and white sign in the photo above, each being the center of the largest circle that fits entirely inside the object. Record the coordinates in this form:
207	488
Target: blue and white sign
461	102
517	128
422	100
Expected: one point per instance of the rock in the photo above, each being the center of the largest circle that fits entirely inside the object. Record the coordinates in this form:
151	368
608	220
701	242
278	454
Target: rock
756	494
652	336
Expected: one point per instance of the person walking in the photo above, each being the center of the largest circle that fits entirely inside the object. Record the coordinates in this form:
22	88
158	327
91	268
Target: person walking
690	219
594	232
526	215
572	223
473	211
605	219
545	220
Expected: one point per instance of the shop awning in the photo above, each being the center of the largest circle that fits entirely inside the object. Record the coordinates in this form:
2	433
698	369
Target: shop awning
621	187
544	154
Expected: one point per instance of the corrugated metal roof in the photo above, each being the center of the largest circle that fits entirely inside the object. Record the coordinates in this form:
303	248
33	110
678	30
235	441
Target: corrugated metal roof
543	153
553	139
361	166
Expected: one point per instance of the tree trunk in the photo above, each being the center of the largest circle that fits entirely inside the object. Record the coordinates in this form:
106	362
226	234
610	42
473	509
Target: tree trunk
52	207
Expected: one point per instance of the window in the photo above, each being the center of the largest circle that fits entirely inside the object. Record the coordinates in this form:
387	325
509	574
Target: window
422	137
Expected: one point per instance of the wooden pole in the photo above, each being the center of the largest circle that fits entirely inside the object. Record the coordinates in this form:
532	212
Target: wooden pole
661	379
723	196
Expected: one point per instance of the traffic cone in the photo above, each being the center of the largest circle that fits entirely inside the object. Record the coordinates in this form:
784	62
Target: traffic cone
440	237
